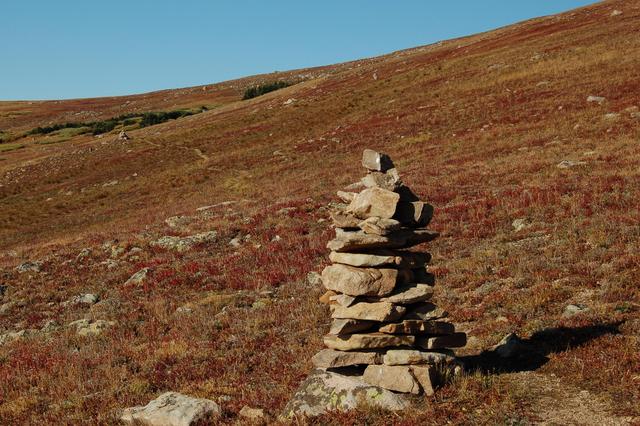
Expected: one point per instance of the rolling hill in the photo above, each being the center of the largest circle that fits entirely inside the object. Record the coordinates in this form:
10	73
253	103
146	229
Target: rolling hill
525	139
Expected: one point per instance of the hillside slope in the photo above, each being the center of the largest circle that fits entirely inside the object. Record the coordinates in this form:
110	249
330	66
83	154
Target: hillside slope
491	128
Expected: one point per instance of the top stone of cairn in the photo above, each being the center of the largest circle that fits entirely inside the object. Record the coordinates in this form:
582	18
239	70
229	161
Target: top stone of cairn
376	161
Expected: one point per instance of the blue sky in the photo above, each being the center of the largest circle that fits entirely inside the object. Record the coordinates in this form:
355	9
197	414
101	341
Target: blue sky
85	48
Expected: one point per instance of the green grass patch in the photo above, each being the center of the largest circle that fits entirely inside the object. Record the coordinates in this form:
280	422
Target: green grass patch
71	129
52	140
6	147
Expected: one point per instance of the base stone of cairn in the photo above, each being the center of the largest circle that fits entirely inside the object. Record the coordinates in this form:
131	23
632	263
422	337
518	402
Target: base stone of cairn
387	337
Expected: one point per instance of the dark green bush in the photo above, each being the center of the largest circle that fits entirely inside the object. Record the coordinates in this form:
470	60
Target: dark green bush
151	118
261	89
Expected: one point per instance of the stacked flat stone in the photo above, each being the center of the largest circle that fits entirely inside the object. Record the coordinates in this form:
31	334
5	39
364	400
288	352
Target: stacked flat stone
385	326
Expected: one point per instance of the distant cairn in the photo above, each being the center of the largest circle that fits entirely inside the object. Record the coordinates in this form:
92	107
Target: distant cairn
385	329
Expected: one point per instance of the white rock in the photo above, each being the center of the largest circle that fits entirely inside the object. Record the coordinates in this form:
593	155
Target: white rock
172	409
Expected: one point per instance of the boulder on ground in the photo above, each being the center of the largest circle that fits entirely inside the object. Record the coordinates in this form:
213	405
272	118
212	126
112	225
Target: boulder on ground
325	391
172	409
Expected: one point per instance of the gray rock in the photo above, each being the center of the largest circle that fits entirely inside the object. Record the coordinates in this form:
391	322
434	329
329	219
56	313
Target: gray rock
88	328
84	253
567	164
325	391
509	346
520	224
35	266
138	277
571	310
172	409
596	99
178	221
182	244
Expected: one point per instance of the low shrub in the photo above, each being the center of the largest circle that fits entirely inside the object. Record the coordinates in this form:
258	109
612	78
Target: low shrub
261	89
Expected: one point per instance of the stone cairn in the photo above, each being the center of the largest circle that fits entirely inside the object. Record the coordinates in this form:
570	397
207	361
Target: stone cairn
385	329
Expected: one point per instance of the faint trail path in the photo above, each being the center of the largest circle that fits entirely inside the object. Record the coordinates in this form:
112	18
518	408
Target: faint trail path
556	403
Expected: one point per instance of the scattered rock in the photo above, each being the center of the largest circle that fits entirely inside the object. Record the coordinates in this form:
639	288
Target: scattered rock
178	221
35	266
138	277
509	346
567	164
17	335
82	299
252	413
571	310
325	391
612	116
597	99
182	244
84	253
172	409
520	224
88	328
616	12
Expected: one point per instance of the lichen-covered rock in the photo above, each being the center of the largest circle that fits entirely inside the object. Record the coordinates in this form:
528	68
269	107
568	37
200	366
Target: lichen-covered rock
182	244
172	409
325	391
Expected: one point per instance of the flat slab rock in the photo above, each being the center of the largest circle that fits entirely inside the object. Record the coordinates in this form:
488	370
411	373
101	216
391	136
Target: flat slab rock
382	258
367	341
380	311
325	391
330	358
172	409
348	241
